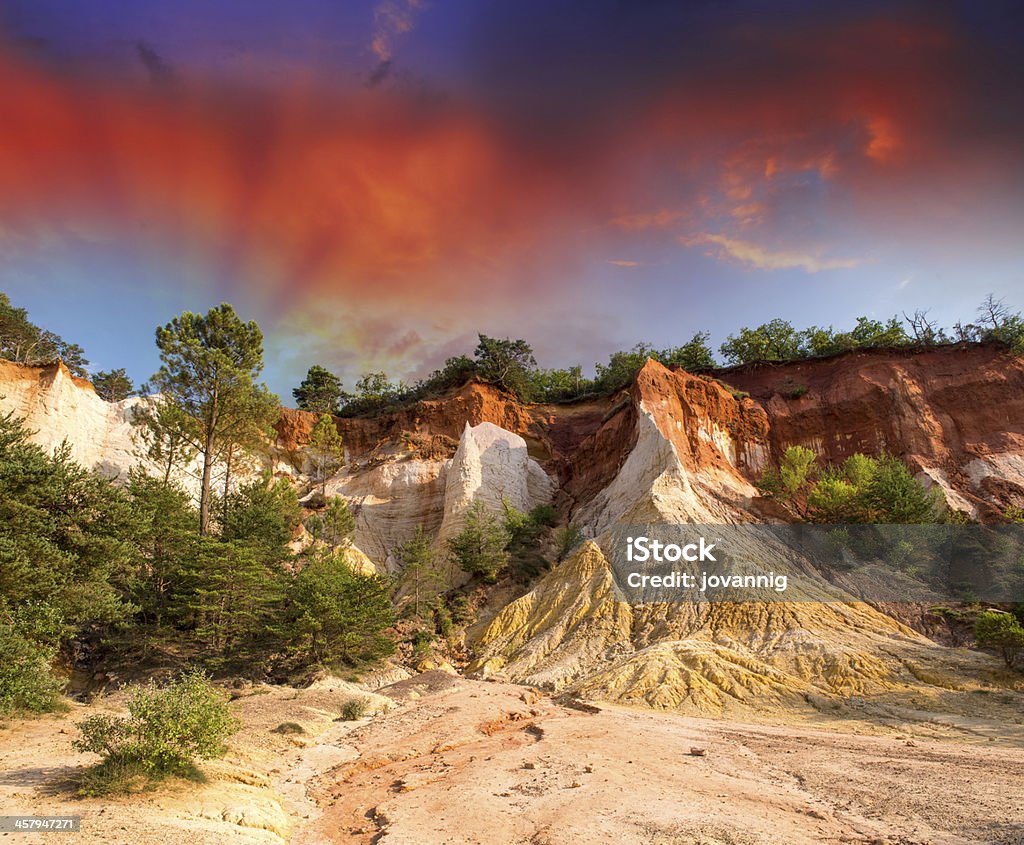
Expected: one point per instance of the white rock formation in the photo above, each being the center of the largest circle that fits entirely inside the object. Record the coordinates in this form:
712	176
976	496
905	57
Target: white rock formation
57	407
389	501
491	466
653	486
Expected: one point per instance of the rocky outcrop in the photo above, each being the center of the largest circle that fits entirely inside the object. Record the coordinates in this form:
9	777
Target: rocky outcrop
673	448
955	414
59	407
686	449
393	496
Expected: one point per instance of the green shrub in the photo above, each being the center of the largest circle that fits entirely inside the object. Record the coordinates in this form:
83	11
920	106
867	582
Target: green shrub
167	729
335	613
481	547
288	729
443	618
567	539
544	515
735	392
1001	631
28	644
355	709
26	683
833	501
422	641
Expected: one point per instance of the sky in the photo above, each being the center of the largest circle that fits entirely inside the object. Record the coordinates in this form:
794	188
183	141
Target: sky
375	183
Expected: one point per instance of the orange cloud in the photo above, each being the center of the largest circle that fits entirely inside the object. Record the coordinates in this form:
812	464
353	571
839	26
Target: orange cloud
884	141
392	19
661	219
763	259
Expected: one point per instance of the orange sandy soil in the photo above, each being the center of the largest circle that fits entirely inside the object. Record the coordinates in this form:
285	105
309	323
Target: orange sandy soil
459	761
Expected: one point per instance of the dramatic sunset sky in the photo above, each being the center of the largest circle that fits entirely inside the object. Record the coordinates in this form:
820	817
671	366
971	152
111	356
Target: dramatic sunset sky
376	182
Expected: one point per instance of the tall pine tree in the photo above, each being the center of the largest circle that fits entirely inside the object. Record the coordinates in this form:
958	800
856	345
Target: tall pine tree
210	366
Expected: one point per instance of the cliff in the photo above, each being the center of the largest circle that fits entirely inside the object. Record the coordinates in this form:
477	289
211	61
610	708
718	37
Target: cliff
673	448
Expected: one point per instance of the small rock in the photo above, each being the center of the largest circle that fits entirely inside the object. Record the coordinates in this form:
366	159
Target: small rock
698	752
588	769
529	766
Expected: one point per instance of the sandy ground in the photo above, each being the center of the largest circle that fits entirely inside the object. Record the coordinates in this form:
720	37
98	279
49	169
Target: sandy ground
458	761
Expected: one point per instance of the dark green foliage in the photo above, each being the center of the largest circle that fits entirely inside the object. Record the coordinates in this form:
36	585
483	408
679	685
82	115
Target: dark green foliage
1000	631
506	363
376	388
336	614
354	709
209	371
23	341
791	390
264	515
621	368
792	476
232	596
334	525
558	385
481	547
166	434
893	495
525	531
566	540
288	729
777	340
319	392
113	385
166	731
693	356
66	535
326	450
455	373
511	365
872	490
421	578
168	544
29	637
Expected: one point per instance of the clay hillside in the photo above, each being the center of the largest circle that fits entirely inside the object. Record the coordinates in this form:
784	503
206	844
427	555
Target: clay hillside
672	448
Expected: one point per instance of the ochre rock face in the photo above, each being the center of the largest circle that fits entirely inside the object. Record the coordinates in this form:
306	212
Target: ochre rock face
673	447
447	417
955	414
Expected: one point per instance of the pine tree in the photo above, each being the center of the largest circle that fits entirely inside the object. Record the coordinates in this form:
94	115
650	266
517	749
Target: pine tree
233	597
326	450
166	435
334	526
167	543
66	534
336	613
481	547
319	392
113	385
420	575
22	340
210	366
